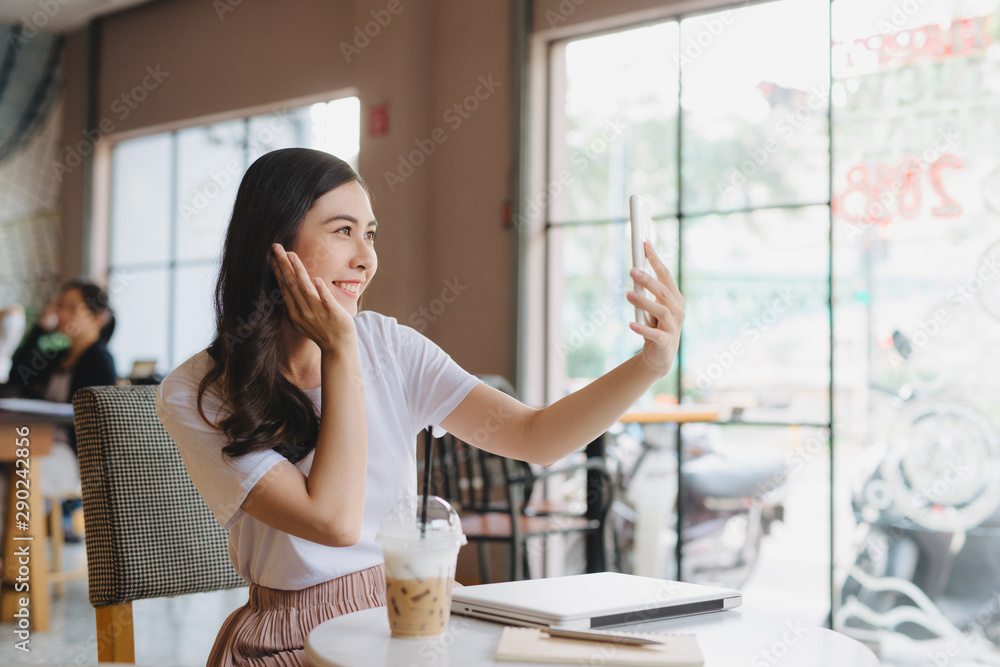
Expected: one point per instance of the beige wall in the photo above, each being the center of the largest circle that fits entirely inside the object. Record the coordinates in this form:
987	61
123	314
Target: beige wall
442	223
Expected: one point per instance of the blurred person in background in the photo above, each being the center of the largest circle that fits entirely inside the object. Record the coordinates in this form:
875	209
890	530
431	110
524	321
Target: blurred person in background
40	370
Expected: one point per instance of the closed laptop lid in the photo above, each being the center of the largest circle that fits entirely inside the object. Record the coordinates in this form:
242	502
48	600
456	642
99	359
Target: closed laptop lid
601	599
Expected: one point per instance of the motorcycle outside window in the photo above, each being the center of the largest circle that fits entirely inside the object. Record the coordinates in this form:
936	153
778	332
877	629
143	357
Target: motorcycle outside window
916	209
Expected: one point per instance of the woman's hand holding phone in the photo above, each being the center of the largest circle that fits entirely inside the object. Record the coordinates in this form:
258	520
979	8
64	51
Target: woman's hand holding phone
664	308
311	306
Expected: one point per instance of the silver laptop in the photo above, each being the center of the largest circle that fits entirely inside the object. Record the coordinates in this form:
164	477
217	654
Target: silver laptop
599	600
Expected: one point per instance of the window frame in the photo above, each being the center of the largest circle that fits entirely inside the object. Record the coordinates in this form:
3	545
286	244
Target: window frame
535	363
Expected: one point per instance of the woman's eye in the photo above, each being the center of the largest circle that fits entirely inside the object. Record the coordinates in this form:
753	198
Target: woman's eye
371	235
345	229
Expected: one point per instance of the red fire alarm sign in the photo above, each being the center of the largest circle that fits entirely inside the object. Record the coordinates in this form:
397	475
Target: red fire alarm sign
378	121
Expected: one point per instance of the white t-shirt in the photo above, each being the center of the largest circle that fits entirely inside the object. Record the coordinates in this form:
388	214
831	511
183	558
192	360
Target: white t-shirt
409	383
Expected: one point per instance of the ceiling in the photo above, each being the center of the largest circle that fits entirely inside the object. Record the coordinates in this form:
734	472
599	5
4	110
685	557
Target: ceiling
62	15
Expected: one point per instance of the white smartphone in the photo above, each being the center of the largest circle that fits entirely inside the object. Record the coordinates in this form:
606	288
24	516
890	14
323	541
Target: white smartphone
642	230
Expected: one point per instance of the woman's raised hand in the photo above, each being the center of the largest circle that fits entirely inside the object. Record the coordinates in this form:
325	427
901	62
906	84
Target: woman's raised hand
667	311
311	306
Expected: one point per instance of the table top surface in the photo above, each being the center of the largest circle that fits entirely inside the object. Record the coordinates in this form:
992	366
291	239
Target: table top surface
726	638
35	411
693	413
687	412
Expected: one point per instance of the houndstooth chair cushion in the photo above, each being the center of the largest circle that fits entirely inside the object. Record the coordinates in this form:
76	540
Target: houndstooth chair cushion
149	533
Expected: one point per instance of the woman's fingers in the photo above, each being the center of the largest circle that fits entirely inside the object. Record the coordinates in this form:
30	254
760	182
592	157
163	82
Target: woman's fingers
661	292
663	284
302	279
660	268
658	310
325	295
288	283
648	332
311	305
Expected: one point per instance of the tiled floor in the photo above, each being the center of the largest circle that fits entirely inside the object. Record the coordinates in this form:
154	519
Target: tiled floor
168	631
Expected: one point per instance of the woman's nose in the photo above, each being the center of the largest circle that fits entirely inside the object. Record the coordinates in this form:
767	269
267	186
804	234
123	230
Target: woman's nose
364	255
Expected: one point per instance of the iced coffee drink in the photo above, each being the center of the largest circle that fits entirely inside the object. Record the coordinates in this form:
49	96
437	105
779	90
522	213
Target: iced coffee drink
418	607
420	566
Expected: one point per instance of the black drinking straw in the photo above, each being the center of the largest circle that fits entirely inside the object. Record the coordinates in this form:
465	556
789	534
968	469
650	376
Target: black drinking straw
428	446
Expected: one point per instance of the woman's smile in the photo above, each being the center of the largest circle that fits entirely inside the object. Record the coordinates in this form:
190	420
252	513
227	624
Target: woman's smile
351	288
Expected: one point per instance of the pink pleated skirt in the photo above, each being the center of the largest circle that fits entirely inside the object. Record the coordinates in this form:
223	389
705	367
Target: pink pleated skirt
270	629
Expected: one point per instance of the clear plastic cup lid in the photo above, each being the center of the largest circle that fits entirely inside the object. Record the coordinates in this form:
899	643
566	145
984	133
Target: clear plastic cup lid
402	522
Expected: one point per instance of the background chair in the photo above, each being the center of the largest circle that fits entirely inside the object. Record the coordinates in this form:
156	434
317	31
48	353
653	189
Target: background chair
149	533
499	501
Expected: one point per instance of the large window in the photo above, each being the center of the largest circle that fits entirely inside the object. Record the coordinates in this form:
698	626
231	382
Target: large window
171	198
838	277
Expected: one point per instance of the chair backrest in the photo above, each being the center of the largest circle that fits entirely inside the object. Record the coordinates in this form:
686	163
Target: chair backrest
149	533
476	480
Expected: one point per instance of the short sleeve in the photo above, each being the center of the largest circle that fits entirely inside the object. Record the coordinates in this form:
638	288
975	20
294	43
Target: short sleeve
222	482
434	383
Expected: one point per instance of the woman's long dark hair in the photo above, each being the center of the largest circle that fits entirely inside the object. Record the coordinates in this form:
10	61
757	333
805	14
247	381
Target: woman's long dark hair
261	408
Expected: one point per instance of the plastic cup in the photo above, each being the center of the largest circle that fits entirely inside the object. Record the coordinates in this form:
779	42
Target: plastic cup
420	568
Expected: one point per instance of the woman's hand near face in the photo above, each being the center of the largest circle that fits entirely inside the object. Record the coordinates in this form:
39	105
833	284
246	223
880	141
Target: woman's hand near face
667	309
49	319
311	306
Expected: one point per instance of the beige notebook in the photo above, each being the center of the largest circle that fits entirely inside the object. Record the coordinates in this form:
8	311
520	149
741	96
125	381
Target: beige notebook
532	645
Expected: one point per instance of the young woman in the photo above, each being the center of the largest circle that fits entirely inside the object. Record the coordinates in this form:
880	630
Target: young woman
298	424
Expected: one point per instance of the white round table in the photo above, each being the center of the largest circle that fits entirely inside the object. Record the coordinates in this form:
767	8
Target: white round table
727	639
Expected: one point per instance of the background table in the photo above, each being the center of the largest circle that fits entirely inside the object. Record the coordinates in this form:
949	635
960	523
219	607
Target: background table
40	417
727	639
40	437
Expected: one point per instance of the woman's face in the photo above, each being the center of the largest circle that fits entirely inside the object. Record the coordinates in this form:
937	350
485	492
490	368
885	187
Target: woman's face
337	243
75	318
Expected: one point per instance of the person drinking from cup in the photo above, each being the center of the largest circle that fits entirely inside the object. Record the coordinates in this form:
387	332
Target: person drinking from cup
298	423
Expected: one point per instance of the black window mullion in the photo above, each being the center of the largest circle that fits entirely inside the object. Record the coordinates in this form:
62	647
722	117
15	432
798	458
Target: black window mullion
830	279
679	279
